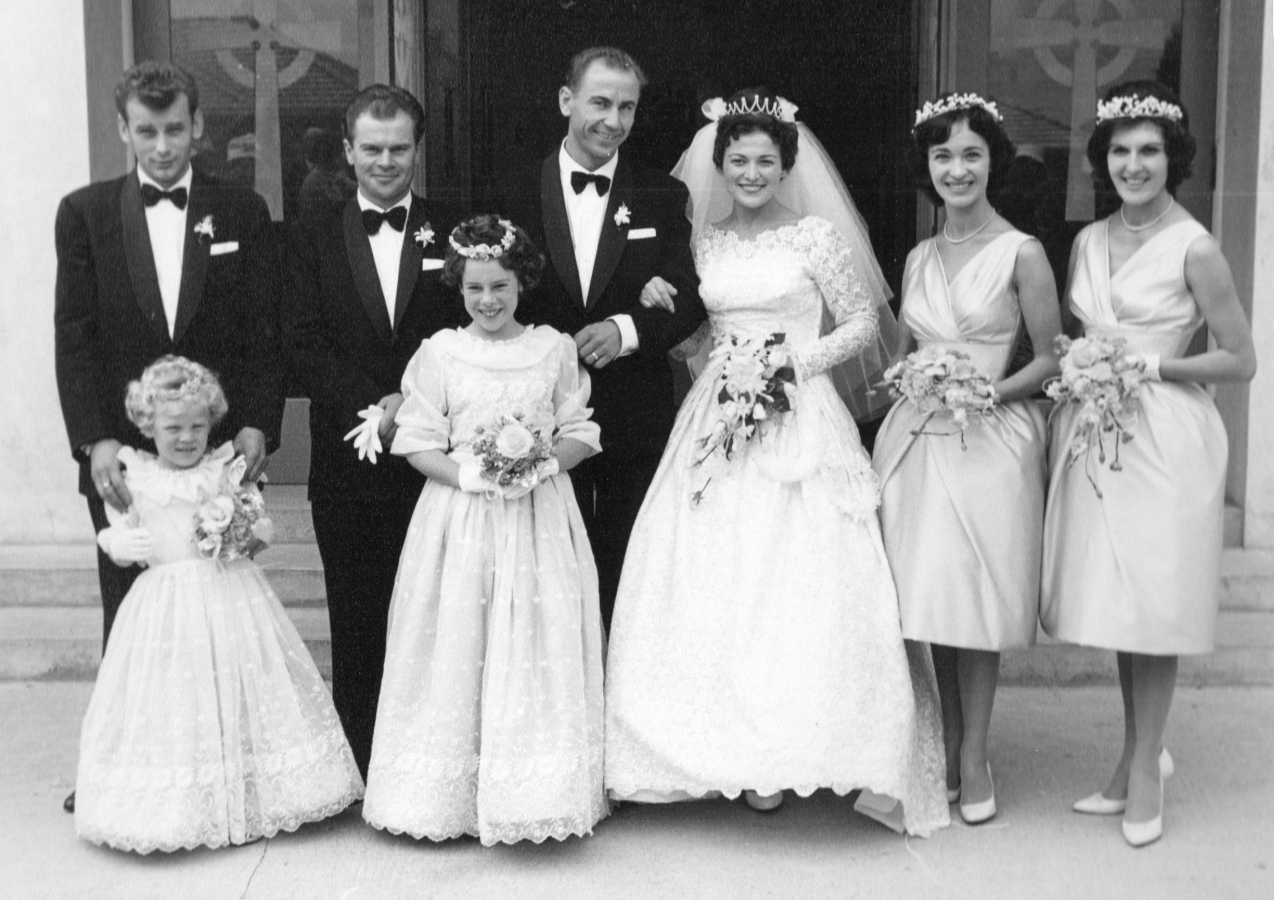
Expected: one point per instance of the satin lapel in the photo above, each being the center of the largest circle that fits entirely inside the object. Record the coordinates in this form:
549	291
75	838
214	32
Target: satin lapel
140	257
409	261
194	257
363	267
557	229
610	246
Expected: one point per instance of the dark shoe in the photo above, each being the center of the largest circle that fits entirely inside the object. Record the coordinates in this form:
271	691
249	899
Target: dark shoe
69	803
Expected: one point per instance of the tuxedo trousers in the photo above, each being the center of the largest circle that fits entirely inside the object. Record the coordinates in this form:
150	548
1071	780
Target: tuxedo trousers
610	490
113	580
360	543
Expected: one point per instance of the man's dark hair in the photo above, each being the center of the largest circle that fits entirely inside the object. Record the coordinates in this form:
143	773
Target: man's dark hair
612	57
384	101
156	86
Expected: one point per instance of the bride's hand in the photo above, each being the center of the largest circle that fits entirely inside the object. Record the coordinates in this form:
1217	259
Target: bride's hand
658	293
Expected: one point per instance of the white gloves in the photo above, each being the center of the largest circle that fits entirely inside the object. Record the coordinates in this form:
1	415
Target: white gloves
1152	366
472	482
366	436
126	545
543	472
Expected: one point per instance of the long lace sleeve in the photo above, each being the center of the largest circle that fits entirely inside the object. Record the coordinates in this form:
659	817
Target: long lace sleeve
570	399
422	419
845	297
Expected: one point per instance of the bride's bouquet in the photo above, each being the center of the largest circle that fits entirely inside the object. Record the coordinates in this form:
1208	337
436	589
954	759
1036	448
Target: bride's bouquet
936	380
1103	381
758	381
232	523
509	453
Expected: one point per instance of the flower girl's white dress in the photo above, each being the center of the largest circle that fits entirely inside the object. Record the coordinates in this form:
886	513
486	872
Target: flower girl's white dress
490	715
756	642
209	724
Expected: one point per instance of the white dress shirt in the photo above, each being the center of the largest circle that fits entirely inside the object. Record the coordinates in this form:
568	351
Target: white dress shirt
586	213
166	225
387	251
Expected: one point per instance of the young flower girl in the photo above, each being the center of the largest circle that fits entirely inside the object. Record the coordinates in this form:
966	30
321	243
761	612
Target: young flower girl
490	715
209	724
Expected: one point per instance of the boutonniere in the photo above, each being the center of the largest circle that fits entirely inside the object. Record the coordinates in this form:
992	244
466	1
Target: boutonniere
206	229
425	235
622	215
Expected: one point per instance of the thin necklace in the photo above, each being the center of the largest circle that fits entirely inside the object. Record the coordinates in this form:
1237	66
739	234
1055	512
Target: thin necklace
1151	224
950	240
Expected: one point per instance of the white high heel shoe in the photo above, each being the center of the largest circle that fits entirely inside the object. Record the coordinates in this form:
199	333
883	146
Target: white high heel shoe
977	813
763	802
1139	834
1099	804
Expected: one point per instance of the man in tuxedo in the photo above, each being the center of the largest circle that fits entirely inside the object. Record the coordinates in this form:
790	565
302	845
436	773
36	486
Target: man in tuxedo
162	260
365	293
610	225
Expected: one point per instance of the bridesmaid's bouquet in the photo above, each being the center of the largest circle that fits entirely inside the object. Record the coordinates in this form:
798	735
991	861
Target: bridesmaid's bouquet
935	380
757	382
1103	381
509	453
232	524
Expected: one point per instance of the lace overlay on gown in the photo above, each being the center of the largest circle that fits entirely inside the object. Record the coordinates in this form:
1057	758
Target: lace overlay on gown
490	715
756	642
209	723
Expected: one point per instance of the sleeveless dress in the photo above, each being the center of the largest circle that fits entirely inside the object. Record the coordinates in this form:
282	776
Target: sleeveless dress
490	714
963	527
209	723
756	642
1138	570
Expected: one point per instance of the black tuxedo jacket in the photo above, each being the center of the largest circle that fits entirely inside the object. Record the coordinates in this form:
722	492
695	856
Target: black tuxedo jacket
632	396
109	317
343	350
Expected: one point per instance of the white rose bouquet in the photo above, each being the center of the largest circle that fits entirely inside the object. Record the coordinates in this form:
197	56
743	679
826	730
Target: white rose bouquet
509	453
232	524
937	380
1103	381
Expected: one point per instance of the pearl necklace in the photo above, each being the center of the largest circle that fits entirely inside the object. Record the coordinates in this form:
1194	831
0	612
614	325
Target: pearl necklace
950	240
1152	223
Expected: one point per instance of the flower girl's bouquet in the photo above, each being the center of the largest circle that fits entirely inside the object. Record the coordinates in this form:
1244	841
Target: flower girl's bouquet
1103	381
936	380
509	453
232	524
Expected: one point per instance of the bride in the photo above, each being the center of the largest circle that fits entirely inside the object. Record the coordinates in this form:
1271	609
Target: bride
756	644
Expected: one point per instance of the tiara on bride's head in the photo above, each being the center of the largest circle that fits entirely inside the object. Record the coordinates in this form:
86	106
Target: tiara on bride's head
1133	106
484	252
952	103
750	104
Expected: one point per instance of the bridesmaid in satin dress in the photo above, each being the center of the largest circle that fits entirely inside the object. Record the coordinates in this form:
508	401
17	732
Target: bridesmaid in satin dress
1136	570
963	527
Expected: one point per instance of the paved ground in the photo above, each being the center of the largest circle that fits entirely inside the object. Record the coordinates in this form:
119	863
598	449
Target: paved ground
1049	747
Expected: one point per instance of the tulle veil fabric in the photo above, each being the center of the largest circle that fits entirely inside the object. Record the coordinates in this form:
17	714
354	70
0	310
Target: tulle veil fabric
813	187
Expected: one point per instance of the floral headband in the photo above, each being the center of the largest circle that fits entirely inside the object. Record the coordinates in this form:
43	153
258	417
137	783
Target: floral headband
755	105
484	251
1133	106
197	379
934	108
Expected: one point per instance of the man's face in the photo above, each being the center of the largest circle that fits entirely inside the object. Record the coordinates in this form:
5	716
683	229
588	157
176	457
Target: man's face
600	113
161	139
383	154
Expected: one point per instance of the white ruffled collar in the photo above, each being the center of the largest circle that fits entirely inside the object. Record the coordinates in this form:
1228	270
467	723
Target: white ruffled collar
521	352
161	484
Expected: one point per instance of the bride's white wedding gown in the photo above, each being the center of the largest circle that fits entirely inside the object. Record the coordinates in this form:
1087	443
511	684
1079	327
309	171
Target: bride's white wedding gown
756	642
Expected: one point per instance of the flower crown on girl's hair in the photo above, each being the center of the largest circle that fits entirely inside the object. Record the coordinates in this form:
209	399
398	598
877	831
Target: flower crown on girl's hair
173	379
483	251
954	102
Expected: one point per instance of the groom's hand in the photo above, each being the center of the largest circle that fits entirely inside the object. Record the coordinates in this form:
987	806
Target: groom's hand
250	444
599	343
658	293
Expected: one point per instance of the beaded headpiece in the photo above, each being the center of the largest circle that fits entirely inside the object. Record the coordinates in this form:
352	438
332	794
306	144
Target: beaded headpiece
1133	106
156	378
484	252
943	105
752	104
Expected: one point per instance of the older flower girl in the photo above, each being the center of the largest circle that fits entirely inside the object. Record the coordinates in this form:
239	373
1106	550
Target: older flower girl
209	724
490	715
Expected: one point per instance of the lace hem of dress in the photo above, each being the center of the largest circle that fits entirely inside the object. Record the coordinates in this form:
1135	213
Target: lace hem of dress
538	833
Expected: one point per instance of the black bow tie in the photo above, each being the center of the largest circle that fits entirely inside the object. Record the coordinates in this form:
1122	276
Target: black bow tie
579	179
152	195
396	217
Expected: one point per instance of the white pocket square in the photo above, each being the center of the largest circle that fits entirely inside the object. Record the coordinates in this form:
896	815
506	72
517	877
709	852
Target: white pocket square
638	234
429	264
223	247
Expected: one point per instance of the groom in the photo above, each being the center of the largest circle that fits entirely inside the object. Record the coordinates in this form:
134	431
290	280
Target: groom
609	225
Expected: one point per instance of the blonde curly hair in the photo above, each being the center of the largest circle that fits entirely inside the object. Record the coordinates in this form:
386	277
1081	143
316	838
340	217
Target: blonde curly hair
173	379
